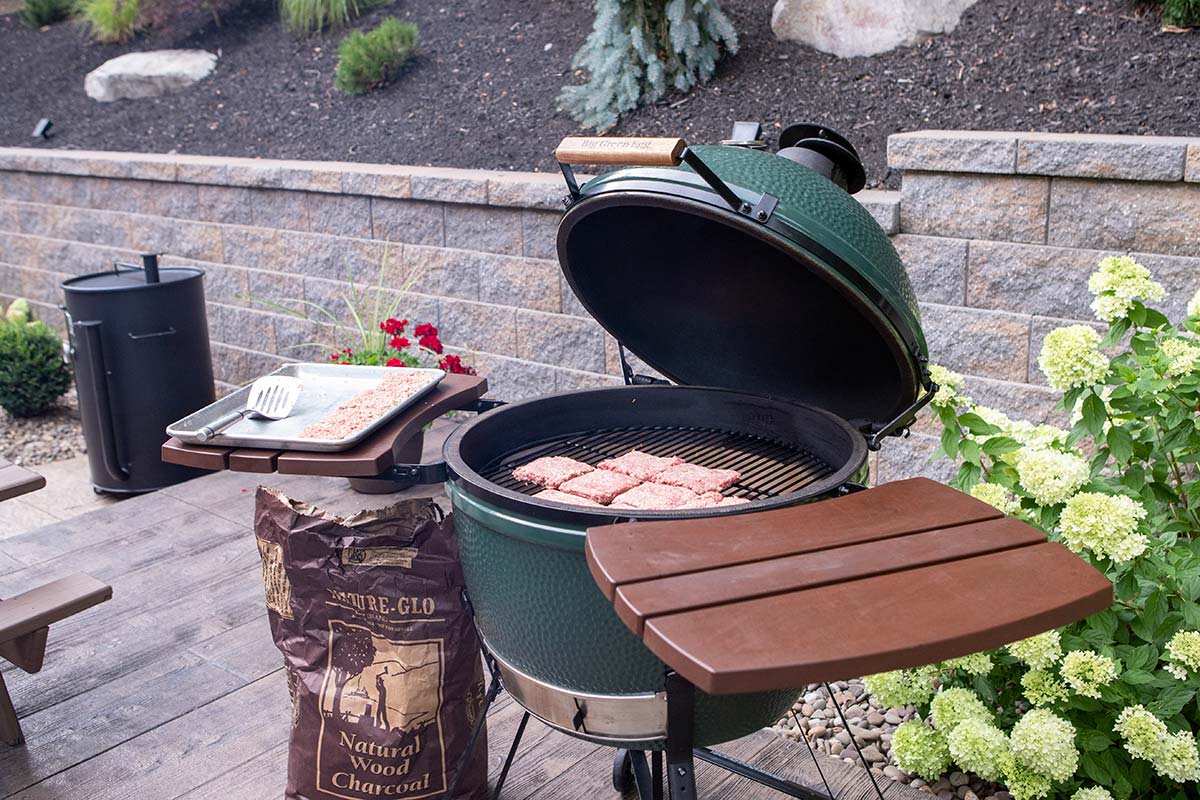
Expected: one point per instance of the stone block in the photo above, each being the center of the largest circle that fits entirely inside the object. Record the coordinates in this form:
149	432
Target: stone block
409	221
1016	399
241	326
569	380
277	208
884	207
440	271
449	186
273	287
237	365
339	215
222	284
570	303
527	190
539	234
1146	217
1052	281
480	327
148	73
1080	155
523	282
492	230
1007	208
612	361
1191	171
300	339
329	257
977	342
561	340
953	151
850	28
901	458
512	379
936	266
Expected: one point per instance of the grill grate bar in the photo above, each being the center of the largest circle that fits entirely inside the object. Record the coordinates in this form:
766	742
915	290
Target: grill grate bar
769	468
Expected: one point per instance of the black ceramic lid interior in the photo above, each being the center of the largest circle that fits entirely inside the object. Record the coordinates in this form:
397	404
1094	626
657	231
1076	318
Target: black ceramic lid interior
710	299
127	279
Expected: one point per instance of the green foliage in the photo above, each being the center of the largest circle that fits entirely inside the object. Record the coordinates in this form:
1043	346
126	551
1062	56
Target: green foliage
37	13
1181	13
640	49
32	372
1123	492
369	60
108	20
312	16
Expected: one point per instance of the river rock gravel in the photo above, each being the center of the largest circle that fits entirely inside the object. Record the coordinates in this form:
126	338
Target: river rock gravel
870	726
51	436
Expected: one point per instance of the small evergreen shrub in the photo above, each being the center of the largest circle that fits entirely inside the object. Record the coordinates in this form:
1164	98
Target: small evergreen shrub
109	21
1181	13
368	60
313	16
640	49
37	13
32	372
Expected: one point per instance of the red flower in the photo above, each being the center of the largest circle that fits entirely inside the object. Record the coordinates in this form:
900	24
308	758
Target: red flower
399	342
431	342
334	356
425	329
453	364
392	326
394	362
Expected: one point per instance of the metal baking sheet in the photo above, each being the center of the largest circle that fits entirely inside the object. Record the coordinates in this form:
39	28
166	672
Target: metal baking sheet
326	386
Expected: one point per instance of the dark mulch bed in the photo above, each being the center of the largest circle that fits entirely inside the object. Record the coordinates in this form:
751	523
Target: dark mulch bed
482	94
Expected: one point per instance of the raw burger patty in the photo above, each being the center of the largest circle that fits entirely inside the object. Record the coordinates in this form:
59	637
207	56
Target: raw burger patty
698	479
551	471
651	496
733	501
639	465
706	500
600	485
563	497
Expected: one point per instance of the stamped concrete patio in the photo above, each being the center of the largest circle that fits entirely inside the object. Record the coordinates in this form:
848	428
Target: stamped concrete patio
174	689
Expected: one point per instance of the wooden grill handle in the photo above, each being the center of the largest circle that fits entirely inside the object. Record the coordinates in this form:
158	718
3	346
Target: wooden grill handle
640	151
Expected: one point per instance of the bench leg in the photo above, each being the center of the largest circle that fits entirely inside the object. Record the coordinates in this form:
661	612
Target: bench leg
10	728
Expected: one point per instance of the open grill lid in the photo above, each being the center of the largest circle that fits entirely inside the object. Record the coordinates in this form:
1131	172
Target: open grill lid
734	267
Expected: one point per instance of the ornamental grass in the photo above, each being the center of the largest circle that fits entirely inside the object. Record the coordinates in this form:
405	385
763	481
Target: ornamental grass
1106	708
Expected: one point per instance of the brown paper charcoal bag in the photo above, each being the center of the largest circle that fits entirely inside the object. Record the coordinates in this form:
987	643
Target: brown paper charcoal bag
382	658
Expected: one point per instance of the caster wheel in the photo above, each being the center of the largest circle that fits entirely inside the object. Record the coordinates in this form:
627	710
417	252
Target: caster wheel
622	774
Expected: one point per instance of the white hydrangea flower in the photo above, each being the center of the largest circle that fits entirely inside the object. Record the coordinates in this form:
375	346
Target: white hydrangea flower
1092	793
1106	524
1142	732
952	706
1040	651
1117	283
974	664
949	385
1183	652
978	746
1043	688
1182	357
902	687
1071	357
1051	476
996	496
1086	671
920	750
1178	759
1193	306
1024	783
1045	743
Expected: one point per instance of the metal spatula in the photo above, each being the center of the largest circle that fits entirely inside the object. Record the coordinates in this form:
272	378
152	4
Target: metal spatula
270	397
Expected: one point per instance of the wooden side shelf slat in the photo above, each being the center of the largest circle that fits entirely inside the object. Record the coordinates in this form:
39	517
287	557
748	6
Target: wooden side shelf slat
906	574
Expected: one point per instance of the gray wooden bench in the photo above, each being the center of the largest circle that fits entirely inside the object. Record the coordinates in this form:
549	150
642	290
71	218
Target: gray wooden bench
25	620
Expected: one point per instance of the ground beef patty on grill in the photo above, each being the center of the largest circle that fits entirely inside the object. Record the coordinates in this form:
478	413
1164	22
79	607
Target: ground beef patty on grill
551	471
600	485
652	496
563	497
698	479
637	464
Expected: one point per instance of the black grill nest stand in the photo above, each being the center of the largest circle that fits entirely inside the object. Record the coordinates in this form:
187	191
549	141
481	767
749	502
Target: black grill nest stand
642	770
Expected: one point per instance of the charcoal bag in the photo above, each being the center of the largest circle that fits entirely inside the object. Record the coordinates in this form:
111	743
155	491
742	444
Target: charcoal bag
382	660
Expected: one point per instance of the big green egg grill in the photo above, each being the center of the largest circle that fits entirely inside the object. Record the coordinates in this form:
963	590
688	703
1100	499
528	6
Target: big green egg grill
789	343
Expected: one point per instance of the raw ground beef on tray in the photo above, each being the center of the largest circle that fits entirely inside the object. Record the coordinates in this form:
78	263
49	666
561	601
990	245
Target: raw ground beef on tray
551	471
563	497
653	496
600	485
637	464
698	479
367	406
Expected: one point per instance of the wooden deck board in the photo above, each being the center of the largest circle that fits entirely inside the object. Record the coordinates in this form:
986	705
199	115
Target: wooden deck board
173	690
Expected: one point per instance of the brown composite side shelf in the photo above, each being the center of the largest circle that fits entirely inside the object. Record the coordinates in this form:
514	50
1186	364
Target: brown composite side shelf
905	574
16	481
369	458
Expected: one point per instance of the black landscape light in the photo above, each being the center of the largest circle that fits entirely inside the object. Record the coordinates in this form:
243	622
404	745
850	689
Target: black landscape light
42	129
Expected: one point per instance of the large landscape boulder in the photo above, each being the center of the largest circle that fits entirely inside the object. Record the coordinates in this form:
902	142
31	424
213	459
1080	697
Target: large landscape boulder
864	27
148	74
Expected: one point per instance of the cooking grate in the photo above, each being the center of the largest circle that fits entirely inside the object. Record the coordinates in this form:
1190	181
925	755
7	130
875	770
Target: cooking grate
768	468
